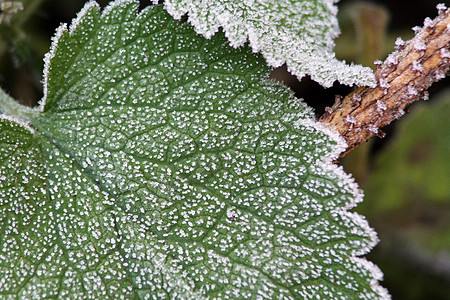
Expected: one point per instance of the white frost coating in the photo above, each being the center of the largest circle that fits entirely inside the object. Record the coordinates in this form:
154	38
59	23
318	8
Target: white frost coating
11	107
381	105
427	23
362	223
441	7
112	5
384	83
376	274
54	46
417	66
18	122
358	196
81	14
298	33
372	128
47	61
444	53
350	119
399	42
420	45
341	145
327	164
416	29
193	168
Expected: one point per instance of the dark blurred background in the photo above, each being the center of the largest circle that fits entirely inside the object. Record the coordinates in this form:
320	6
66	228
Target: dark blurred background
405	176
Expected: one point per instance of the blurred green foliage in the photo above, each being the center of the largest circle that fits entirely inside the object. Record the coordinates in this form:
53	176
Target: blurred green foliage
415	167
407	201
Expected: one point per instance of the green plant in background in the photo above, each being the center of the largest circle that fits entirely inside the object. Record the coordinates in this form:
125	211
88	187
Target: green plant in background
407	197
22	46
8	9
416	160
160	164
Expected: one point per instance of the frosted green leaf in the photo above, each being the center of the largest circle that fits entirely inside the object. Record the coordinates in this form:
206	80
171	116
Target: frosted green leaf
299	33
164	165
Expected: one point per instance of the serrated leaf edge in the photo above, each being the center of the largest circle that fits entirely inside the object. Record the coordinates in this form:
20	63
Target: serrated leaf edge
358	195
295	56
18	121
54	45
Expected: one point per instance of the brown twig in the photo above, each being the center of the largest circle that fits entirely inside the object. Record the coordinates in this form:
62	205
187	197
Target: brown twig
403	78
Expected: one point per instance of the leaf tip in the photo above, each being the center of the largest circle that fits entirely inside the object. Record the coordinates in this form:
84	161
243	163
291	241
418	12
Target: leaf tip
17	121
86	8
115	4
47	62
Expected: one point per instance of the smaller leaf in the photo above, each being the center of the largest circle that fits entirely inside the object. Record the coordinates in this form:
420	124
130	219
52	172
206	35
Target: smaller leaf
298	33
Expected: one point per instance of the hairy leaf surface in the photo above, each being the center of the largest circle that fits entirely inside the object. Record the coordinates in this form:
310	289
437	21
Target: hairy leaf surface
299	33
163	165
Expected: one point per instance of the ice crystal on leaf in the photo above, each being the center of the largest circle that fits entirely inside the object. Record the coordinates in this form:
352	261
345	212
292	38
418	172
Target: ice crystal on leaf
299	33
164	165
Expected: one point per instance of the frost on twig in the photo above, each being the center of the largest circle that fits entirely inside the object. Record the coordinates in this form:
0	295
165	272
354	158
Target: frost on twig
402	78
298	33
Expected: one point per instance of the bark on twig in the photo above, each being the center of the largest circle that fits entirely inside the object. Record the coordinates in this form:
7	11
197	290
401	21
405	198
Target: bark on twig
402	78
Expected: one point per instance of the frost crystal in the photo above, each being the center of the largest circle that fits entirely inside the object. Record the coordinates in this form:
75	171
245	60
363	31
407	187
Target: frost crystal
420	45
400	112
444	53
356	97
411	91
350	120
441	8
384	83
163	165
392	59
438	75
399	42
381	105
427	23
298	33
372	128
417	66
417	29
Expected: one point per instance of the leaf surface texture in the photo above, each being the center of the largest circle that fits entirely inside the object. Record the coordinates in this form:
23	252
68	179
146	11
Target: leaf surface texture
164	165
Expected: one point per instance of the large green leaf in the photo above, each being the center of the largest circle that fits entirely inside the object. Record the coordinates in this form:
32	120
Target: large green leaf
298	33
163	165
